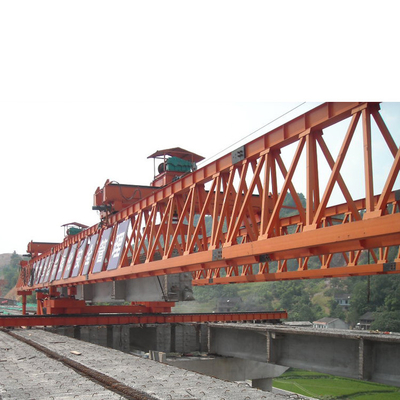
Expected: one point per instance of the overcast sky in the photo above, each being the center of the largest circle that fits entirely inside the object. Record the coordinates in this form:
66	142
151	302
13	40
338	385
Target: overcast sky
89	89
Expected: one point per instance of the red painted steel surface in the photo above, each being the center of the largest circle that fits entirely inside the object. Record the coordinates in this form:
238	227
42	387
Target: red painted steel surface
120	319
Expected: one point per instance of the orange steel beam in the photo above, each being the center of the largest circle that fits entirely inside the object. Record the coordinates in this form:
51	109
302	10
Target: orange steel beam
36	248
225	222
120	319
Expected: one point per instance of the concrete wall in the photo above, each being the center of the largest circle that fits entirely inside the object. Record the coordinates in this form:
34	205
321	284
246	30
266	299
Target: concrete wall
231	369
346	353
168	338
381	362
150	337
330	355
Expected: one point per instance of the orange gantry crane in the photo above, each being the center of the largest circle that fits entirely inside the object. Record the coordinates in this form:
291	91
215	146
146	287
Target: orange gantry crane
233	220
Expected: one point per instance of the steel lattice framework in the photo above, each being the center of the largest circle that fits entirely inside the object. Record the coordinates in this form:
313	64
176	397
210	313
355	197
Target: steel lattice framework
230	222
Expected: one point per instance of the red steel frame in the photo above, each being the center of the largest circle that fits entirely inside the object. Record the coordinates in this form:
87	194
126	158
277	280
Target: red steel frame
229	226
120	319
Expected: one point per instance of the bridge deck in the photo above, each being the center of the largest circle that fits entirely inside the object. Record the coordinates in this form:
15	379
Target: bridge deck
351	354
25	370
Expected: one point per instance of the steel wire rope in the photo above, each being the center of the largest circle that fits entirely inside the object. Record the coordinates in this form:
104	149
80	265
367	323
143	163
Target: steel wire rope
252	133
122	195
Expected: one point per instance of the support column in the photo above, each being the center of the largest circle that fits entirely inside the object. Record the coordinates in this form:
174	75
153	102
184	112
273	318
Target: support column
24	304
121	337
369	186
185	338
96	334
365	359
151	337
263	384
24	294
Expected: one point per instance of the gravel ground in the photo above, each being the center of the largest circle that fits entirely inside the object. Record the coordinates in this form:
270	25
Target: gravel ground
26	373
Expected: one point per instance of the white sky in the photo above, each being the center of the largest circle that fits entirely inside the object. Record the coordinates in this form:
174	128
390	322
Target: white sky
88	89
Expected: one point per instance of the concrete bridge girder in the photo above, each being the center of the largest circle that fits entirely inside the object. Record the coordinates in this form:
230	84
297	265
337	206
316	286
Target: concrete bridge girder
349	354
174	287
233	369
257	352
159	339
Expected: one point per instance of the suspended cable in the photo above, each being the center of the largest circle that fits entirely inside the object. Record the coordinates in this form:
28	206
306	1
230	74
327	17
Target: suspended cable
252	133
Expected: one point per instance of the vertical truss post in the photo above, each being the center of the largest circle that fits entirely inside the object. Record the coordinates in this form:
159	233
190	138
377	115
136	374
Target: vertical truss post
369	184
266	195
312	196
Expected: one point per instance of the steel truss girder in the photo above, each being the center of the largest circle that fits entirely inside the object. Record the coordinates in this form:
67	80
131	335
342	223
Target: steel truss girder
224	222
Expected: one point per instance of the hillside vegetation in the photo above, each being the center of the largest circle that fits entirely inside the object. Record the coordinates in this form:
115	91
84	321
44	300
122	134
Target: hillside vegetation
309	300
4	260
9	272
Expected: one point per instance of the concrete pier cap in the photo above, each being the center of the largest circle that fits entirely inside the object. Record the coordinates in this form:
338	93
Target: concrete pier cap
232	369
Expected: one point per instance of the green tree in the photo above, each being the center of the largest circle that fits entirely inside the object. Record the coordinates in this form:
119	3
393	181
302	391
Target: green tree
204	294
387	321
359	301
336	311
392	299
11	272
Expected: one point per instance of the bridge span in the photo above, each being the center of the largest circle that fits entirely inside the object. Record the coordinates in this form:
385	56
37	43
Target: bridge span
44	365
259	352
347	353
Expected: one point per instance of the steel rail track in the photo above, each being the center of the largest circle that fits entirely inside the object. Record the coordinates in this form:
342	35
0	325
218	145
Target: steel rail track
96	376
8	321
